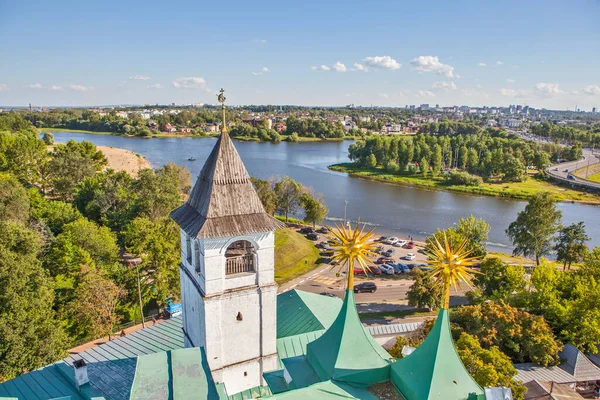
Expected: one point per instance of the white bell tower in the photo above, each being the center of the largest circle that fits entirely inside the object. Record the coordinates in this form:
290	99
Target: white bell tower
228	290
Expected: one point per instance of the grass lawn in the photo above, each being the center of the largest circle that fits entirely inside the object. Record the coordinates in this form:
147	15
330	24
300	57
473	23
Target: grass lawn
518	190
294	255
400	313
595	178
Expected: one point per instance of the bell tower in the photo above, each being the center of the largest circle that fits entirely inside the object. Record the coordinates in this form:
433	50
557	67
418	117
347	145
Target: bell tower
228	290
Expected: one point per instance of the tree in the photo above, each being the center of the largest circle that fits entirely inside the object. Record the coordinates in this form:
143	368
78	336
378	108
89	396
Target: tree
475	230
55	214
513	169
71	163
424	166
424	293
371	161
48	138
489	367
521	336
14	202
437	160
94	305
498	280
472	159
463	157
158	244
571	245
31	335
159	191
314	209
541	160
288	194
533	231
266	194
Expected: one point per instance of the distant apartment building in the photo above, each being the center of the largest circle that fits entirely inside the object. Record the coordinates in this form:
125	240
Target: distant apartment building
122	114
511	123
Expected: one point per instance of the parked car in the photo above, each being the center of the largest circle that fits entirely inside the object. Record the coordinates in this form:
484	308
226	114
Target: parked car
383	238
312	236
411	266
321	245
307	229
384	260
400	243
387	269
370	287
323	230
422	265
410	256
328	294
376	271
358	271
571	177
388	253
409	245
401	268
391	240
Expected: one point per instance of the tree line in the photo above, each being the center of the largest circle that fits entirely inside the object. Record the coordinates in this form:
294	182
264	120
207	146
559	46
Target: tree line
66	227
589	135
467	158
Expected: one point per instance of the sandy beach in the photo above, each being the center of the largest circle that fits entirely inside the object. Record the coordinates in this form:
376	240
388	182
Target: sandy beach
124	160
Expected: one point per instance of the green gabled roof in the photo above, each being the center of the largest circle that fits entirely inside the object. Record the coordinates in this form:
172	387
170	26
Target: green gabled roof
347	352
301	312
172	375
434	370
326	390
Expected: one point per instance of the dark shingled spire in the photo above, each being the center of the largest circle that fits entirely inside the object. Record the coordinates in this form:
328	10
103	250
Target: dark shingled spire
223	202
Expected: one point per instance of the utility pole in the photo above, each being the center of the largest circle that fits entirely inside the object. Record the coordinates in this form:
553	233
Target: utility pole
345	205
137	266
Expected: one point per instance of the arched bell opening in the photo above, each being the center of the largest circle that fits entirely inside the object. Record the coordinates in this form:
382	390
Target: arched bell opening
240	257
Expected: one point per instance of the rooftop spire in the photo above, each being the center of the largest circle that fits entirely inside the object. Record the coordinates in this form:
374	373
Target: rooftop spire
221	98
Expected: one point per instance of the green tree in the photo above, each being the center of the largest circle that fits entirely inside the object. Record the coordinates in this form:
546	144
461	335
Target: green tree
266	194
31	335
157	242
521	336
571	244
288	193
499	281
437	160
55	214
95	304
424	166
463	157
48	138
476	231
541	160
472	159
371	161
158	191
14	202
533	231
424	293
513	169
314	208
71	163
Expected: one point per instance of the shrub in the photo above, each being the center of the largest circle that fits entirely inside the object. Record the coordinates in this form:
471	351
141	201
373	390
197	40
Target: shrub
465	178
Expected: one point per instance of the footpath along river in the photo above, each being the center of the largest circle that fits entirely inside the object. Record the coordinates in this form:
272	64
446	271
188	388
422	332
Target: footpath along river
399	210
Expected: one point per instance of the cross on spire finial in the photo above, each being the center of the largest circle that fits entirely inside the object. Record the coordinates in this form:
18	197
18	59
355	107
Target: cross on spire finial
221	99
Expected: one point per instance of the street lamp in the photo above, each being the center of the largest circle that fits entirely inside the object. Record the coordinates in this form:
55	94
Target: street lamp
345	206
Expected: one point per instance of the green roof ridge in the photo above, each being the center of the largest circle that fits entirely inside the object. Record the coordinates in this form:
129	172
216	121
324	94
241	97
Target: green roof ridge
347	352
434	370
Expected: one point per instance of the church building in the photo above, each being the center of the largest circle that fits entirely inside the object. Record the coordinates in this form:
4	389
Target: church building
238	338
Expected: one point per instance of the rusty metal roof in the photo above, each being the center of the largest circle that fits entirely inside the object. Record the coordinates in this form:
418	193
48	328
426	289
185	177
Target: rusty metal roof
223	201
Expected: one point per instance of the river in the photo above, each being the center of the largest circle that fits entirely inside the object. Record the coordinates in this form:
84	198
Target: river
392	209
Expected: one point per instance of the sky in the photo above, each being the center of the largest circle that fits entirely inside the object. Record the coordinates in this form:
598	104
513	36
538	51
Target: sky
545	54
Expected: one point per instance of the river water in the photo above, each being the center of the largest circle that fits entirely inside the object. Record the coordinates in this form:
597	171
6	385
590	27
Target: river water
400	210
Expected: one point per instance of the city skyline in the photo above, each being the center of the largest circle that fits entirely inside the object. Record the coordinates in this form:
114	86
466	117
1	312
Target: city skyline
384	54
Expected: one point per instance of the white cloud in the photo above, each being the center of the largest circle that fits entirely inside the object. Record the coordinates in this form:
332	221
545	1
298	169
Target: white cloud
548	89
433	64
3	88
34	86
499	62
56	88
425	93
80	88
190	83
591	90
263	70
474	92
385	62
481	64
359	67
445	86
156	86
139	78
511	81
320	68
260	41
514	92
339	67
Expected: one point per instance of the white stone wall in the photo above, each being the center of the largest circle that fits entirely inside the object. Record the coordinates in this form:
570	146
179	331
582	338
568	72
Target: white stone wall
238	351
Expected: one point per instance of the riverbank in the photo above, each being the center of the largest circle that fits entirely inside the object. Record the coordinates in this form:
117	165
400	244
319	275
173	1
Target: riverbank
516	190
124	160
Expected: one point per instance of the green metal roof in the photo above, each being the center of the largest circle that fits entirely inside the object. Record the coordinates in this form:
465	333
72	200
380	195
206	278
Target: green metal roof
326	390
347	352
173	375
301	312
434	370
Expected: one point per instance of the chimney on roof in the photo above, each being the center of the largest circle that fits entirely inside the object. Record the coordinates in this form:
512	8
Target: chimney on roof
81	373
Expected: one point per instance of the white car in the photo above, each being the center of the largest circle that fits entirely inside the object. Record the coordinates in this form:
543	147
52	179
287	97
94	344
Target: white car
391	240
410	256
400	243
387	269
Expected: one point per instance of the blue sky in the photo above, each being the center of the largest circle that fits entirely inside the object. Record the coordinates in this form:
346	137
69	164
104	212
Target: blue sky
541	53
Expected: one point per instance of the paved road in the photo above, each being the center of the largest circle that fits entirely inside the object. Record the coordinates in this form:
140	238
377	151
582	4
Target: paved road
561	171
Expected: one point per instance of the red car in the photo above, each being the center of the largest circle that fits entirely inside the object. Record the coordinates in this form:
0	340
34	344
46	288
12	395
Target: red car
358	271
384	260
409	245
